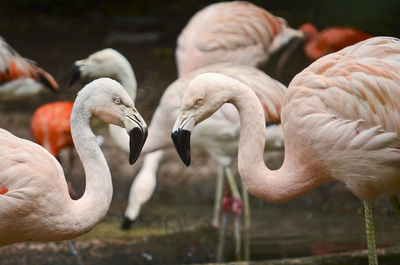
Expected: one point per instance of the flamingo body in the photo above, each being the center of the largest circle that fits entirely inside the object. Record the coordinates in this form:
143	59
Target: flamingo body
50	126
238	32
355	91
340	120
37	206
21	77
329	40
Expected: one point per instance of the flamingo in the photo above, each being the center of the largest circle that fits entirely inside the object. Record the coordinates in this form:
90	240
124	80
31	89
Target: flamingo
340	121
237	31
50	127
34	200
20	77
328	40
218	136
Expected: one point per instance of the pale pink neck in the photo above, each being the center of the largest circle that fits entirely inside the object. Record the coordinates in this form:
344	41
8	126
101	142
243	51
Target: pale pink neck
292	180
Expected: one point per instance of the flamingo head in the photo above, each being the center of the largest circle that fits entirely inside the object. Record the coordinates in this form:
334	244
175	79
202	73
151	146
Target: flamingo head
200	101
309	30
111	103
104	63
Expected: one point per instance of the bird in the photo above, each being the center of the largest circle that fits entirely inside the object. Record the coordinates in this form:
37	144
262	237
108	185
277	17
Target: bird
328	40
238	32
235	31
21	78
340	120
218	136
34	201
50	127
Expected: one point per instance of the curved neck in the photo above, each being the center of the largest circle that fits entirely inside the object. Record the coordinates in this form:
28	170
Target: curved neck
93	205
292	180
127	79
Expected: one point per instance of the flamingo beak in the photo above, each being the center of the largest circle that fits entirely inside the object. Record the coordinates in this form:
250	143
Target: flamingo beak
137	130
74	74
181	136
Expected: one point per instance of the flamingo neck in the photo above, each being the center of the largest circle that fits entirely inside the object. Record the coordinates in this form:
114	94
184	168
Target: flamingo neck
86	212
292	180
127	79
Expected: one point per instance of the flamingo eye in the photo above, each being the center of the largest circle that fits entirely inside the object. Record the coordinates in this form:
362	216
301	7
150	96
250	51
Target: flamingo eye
117	100
198	102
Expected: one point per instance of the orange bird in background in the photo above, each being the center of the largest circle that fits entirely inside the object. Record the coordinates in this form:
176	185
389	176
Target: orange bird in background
328	40
21	77
50	127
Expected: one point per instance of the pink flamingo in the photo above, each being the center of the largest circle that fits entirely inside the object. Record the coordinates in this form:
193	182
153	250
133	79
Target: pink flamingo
20	77
237	31
34	200
218	136
340	120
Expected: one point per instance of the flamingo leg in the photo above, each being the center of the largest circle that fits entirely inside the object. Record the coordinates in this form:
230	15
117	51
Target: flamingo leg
246	206
237	206
74	251
222	236
395	204
369	225
218	196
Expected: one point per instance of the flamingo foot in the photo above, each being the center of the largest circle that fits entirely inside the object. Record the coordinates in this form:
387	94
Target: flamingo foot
216	224
237	207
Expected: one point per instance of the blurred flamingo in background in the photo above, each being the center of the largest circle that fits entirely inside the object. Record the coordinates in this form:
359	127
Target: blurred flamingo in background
107	63
238	32
328	40
34	201
318	44
51	128
218	136
340	120
20	77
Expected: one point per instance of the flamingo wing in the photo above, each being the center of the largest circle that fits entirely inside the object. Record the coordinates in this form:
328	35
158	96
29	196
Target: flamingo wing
13	66
349	103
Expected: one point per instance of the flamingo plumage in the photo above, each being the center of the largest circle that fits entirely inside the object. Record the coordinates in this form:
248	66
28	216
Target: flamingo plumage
340	120
20	77
50	126
237	31
34	203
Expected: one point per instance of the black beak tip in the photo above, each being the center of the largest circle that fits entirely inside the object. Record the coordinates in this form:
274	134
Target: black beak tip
126	223
181	139
74	75
137	138
47	83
